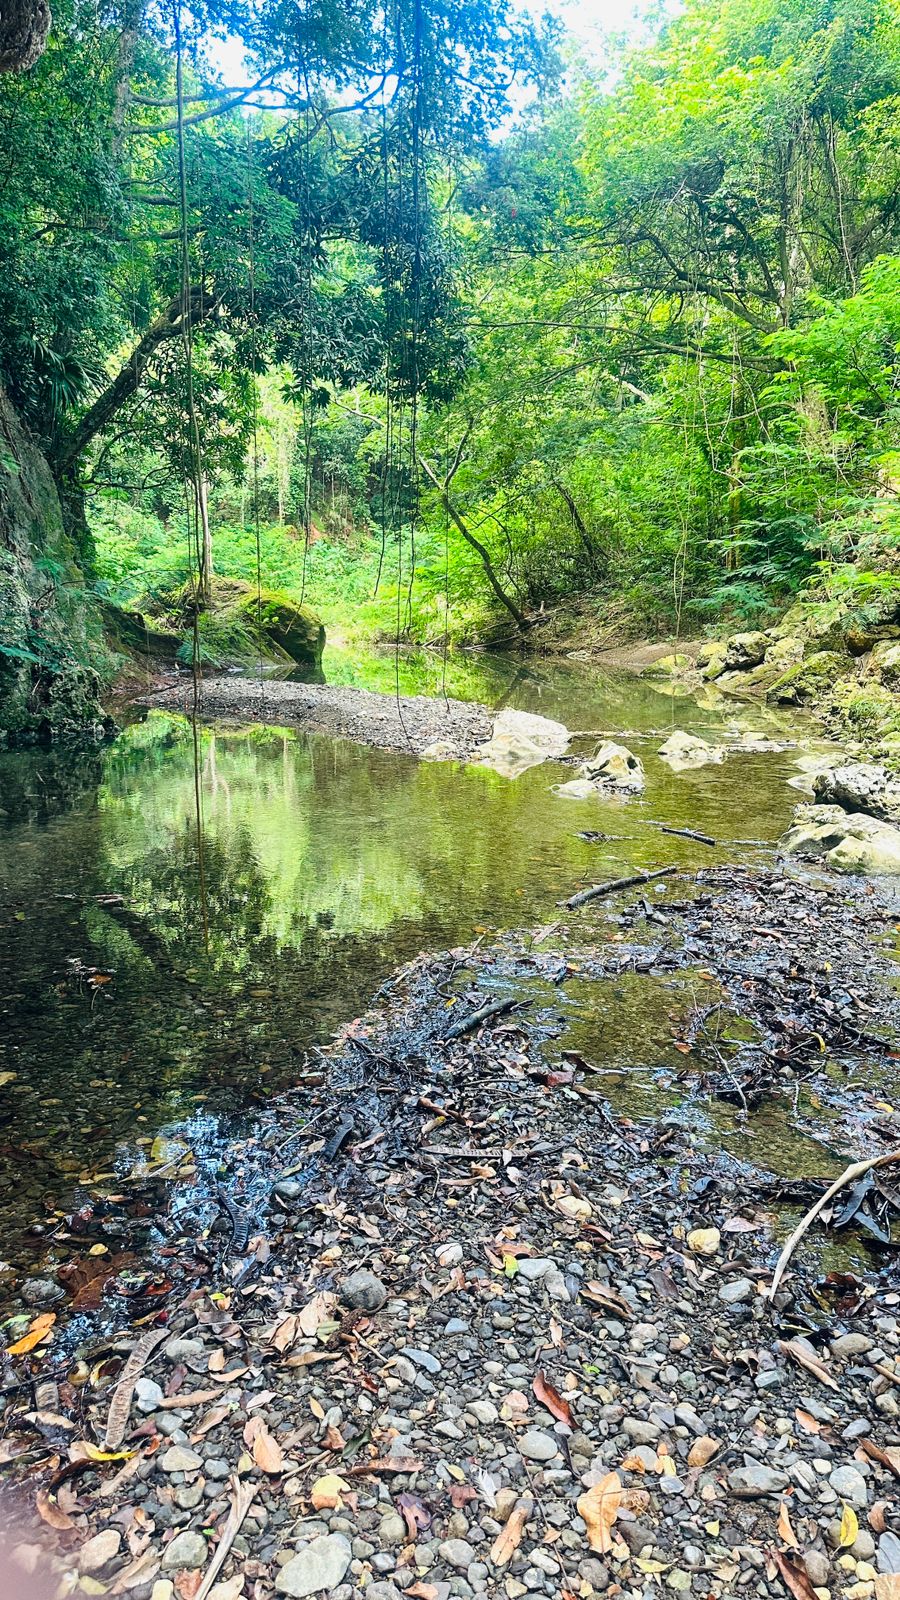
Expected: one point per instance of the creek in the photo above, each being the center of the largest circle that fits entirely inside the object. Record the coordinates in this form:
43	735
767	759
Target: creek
326	865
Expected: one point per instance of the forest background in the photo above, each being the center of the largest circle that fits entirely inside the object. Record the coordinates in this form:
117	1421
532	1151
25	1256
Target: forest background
444	330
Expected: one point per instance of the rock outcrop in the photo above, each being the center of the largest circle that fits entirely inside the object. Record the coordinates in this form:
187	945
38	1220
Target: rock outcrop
53	658
860	786
519	741
844	841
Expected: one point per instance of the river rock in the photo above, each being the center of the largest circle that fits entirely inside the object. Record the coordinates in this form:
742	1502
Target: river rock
860	786
364	1292
744	650
97	1552
41	1292
321	1566
849	1483
684	752
888	1557
809	679
670	666
613	767
845	842
441	750
754	1479
519	741
538	1446
179	1459
188	1551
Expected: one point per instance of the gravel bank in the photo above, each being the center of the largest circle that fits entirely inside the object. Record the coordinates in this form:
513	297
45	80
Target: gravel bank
410	725
459	1331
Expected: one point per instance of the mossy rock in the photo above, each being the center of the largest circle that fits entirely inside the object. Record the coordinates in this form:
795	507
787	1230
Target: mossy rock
293	628
809	680
820	624
671	666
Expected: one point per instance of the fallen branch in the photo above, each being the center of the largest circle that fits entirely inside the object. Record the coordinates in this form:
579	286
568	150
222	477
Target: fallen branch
496	1008
687	833
857	1169
599	889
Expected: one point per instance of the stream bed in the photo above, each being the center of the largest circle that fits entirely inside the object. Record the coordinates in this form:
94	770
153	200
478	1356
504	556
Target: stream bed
127	1014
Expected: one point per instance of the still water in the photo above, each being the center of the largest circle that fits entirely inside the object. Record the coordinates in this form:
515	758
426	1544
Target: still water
326	865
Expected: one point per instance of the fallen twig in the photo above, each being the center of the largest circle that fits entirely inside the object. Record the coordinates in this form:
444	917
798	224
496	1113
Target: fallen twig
857	1169
243	1498
496	1008
598	889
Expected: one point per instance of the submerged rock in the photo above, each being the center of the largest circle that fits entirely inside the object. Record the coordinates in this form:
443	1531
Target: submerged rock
519	741
610	770
441	750
685	751
845	841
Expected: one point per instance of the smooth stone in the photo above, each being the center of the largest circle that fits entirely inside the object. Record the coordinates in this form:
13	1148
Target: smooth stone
179	1459
888	1558
392	1529
754	1479
851	1344
457	1553
538	1446
321	1566
364	1292
422	1358
188	1551
147	1395
41	1292
736	1290
98	1551
533	1267
849	1483
484	1411
185	1350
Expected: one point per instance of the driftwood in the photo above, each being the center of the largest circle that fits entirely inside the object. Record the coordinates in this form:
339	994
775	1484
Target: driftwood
857	1169
688	833
496	1008
242	1498
599	889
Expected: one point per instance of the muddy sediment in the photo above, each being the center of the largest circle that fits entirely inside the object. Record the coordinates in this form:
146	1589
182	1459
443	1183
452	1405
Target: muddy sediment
405	723
445	1324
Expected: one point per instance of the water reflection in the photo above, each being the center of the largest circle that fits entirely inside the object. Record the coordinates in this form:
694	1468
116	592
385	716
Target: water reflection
326	865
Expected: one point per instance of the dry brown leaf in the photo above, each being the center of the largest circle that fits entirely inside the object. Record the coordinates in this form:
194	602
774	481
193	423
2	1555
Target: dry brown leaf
423	1591
887	1586
637	1464
792	1348
599	1508
267	1452
510	1536
885	1458
794	1574
785	1532
552	1399
216	1362
187	1585
285	1332
878	1516
179	1402
600	1294
702	1450
49	1512
39	1330
211	1420
807	1422
326	1492
316	1311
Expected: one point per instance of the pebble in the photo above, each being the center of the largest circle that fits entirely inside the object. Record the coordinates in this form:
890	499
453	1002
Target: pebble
888	1557
321	1565
188	1551
736	1291
532	1268
538	1446
754	1479
851	1344
422	1358
457	1553
364	1292
41	1292
392	1529
147	1395
849	1483
179	1459
188	1351
484	1411
97	1552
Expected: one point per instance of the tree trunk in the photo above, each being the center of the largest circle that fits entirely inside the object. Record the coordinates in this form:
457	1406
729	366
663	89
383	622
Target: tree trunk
168	325
506	600
596	565
24	25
